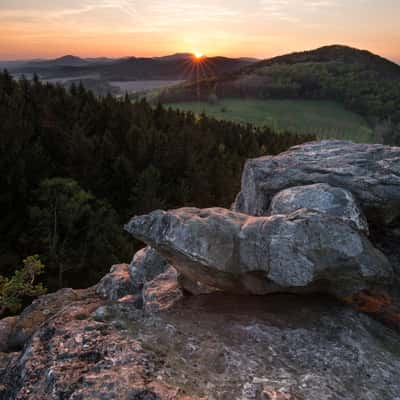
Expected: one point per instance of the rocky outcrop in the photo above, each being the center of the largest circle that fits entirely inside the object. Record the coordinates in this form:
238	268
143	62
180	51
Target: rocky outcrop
39	311
338	202
306	251
370	172
162	292
208	347
116	284
145	266
138	335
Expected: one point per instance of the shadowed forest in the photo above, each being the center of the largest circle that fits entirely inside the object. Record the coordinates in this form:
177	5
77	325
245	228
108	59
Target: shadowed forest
74	167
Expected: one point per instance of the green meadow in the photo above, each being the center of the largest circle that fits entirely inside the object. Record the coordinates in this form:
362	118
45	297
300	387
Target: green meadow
325	119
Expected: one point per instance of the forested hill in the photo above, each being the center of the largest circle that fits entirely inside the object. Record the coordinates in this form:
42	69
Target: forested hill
337	54
74	167
365	83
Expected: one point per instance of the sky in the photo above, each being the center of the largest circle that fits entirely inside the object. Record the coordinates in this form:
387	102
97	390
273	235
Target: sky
256	28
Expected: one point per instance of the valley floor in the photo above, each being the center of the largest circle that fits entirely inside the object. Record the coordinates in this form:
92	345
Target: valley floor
325	119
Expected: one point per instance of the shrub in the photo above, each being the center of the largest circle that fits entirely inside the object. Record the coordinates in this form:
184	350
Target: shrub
22	284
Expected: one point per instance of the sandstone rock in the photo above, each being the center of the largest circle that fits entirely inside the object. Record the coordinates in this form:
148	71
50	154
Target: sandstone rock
162	292
306	251
145	266
322	197
128	308
72	356
42	309
6	328
116	284
209	347
5	360
370	172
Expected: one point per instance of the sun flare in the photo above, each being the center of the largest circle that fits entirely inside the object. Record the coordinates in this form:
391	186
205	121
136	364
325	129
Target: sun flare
198	55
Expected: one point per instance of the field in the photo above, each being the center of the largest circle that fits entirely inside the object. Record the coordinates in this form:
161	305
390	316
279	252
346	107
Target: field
141	86
325	119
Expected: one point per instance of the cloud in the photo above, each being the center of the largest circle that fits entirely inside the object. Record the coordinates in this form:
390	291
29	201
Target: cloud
291	10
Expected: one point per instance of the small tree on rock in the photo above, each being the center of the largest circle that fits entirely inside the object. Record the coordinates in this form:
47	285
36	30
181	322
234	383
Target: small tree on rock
22	284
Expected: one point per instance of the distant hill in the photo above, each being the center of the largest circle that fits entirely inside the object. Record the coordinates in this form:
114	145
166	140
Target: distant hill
364	82
174	67
65	61
337	54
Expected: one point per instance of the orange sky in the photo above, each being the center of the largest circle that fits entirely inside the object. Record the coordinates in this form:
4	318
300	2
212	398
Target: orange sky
259	28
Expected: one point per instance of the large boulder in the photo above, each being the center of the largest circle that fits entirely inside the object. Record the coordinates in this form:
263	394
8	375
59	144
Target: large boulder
322	197
306	251
370	172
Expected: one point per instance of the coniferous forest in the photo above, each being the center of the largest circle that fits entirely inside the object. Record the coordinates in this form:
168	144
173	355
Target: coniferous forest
74	167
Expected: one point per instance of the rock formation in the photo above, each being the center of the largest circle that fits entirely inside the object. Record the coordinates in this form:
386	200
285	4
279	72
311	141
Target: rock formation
338	202
370	172
117	283
145	266
320	219
305	251
207	347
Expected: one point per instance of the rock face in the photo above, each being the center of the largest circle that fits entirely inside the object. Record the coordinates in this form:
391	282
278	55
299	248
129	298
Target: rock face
116	284
162	292
6	328
306	251
322	197
145	266
39	311
208	347
370	172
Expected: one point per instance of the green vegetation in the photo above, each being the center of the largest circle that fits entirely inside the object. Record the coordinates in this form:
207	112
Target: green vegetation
72	228
74	167
363	82
20	285
324	119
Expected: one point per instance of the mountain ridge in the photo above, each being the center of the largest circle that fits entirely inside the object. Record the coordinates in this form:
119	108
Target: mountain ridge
179	66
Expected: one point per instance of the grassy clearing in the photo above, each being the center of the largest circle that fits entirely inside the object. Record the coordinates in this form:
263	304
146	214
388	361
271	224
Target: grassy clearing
325	119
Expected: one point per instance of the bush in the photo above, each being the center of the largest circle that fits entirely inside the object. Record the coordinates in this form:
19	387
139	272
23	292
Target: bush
21	285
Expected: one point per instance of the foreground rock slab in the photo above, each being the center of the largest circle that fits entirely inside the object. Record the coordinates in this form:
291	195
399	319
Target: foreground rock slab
39	311
306	251
214	347
370	172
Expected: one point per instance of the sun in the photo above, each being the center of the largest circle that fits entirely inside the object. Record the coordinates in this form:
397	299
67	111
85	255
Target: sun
198	55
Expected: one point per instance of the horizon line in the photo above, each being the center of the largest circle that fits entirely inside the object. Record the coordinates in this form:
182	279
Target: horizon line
172	53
